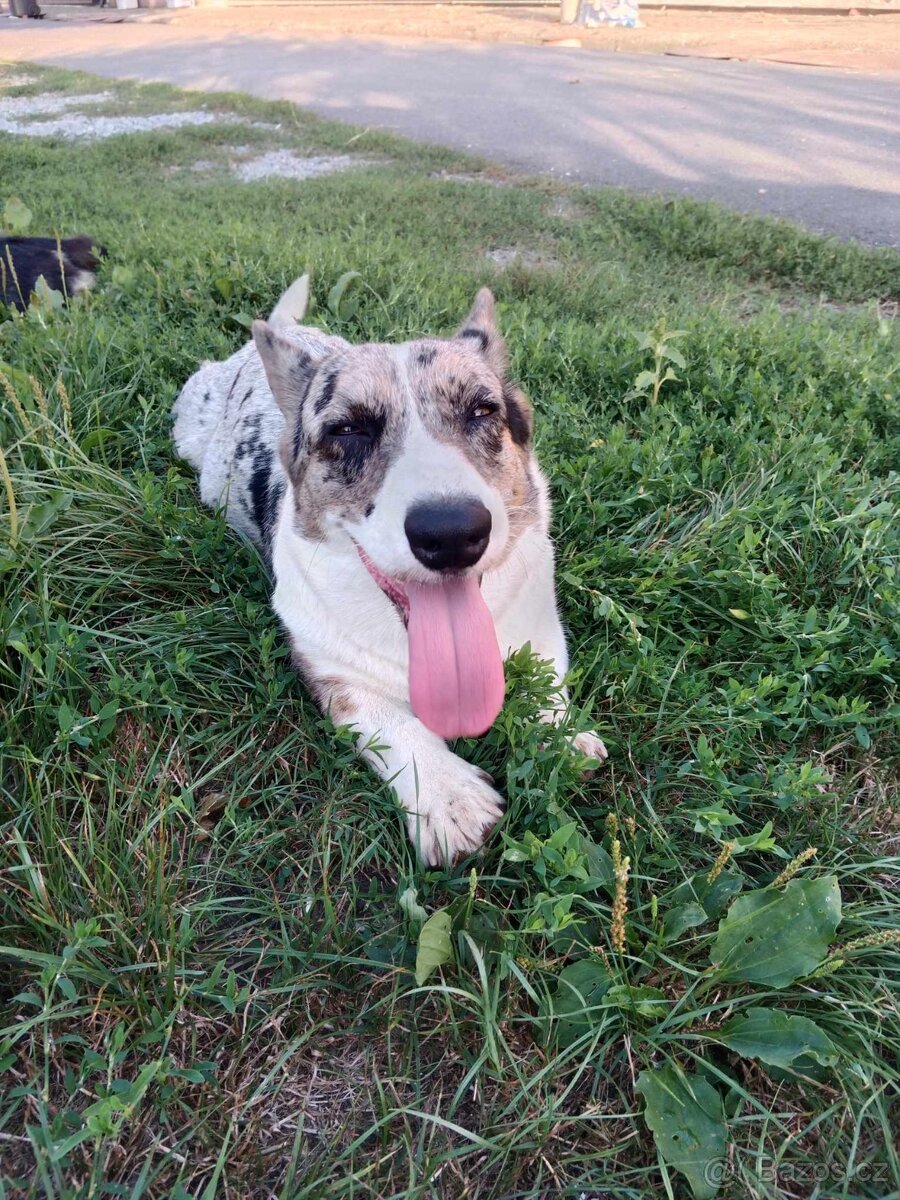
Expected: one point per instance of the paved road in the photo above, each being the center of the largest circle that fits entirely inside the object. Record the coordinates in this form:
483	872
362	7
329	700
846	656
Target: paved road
819	146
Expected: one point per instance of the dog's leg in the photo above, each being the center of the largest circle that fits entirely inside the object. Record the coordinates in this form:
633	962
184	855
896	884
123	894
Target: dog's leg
549	642
450	805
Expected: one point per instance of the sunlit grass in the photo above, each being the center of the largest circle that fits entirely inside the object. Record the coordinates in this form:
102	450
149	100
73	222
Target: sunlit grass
206	974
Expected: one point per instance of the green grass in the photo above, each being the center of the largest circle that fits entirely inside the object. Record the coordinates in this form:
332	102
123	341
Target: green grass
206	974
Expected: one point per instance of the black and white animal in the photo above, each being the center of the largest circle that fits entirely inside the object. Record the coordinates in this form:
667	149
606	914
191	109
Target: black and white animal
394	491
69	266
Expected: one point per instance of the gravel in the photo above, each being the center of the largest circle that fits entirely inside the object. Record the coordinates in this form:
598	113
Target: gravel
13	107
285	164
17	115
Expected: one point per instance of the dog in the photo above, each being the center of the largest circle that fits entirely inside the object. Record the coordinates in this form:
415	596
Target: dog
68	266
394	491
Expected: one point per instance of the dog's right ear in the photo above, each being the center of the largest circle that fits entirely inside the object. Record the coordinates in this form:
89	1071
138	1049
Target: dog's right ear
291	363
480	329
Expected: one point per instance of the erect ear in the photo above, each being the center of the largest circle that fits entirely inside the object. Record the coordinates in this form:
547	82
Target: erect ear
480	330
291	360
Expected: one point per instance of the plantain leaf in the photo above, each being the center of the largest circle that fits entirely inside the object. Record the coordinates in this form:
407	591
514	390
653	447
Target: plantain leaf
16	216
774	937
338	294
647	1002
435	947
580	987
712	897
46	297
41	516
778	1039
15	374
681	918
687	1119
599	864
409	902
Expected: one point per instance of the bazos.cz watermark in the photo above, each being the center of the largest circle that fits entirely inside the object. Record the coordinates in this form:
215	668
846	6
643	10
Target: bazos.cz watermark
769	1170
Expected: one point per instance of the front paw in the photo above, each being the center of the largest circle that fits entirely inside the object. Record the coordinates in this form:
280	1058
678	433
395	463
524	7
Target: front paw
453	814
590	746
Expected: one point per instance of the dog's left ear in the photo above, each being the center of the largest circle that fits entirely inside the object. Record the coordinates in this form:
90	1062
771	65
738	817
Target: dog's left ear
480	330
291	362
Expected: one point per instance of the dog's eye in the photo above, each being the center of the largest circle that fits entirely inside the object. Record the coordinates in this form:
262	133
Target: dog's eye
344	429
486	408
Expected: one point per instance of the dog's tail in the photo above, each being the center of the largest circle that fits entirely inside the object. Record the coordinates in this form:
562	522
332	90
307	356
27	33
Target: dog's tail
292	305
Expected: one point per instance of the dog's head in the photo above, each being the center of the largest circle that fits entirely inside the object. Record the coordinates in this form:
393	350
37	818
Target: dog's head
420	452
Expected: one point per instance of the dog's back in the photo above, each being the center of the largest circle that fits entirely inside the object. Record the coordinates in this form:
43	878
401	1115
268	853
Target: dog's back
68	265
228	427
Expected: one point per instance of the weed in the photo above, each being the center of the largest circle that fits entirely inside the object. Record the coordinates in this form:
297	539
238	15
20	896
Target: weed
216	977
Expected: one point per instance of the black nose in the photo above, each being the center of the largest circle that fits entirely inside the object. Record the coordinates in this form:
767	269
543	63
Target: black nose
448	535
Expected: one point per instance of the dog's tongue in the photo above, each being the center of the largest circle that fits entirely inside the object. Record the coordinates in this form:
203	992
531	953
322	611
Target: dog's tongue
456	680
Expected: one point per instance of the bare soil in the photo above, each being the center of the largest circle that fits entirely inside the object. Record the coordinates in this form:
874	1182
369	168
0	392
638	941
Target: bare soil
862	42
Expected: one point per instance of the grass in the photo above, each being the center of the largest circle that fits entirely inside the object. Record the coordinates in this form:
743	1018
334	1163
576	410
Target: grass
206	970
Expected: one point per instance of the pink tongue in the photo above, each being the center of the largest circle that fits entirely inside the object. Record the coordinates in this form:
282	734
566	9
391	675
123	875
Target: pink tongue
456	680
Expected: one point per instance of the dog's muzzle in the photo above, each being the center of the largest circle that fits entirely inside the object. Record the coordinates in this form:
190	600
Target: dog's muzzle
448	535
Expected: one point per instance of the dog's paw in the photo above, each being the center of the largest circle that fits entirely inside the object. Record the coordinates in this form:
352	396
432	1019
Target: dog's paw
590	746
455	816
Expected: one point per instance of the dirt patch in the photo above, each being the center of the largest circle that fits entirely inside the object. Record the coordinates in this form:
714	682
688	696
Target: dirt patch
863	42
880	310
564	208
11	80
513	256
285	164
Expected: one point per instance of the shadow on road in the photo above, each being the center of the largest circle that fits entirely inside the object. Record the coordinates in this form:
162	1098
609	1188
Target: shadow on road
820	147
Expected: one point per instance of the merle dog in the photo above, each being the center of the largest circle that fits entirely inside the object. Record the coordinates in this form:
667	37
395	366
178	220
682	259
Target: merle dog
396	495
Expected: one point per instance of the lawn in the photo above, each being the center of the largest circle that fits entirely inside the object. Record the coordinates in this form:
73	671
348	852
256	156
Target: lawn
211	917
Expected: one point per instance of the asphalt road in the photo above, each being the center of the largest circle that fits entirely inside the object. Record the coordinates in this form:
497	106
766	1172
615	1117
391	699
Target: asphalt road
821	147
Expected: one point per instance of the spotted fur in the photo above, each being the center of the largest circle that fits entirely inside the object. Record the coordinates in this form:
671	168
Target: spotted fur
316	450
